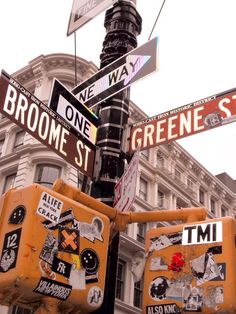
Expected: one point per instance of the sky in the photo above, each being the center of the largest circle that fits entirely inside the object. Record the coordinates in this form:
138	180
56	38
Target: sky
197	57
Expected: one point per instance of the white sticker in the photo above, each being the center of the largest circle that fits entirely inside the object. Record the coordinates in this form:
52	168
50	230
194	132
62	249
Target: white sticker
210	232
90	231
157	263
95	296
77	278
50	207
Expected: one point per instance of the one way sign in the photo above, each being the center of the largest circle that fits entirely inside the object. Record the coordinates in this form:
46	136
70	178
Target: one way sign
119	75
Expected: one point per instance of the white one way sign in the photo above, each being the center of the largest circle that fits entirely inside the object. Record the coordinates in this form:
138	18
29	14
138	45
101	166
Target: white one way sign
118	75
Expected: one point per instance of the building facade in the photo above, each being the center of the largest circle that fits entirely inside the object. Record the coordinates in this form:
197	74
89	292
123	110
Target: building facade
168	176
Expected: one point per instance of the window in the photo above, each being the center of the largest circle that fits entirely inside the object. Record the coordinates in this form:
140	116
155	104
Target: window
141	232
178	173
144	153
47	174
190	183
120	280
161	199
80	179
201	197
9	182
160	160
138	293
19	139
1	145
83	182
224	211
20	310
213	206
143	189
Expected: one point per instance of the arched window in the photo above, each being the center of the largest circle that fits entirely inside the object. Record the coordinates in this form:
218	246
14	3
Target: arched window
46	174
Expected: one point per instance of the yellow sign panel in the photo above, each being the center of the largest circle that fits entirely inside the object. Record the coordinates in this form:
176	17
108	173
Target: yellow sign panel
51	246
191	268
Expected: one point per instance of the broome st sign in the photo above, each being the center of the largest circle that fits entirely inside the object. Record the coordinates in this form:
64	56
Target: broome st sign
199	116
24	109
119	74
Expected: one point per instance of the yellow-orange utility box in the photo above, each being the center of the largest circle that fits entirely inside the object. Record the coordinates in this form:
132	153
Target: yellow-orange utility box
51	246
191	268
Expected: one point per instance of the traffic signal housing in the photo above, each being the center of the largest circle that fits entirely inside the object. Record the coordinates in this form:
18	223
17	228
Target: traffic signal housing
191	268
51	246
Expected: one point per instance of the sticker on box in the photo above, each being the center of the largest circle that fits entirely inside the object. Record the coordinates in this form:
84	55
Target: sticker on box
50	207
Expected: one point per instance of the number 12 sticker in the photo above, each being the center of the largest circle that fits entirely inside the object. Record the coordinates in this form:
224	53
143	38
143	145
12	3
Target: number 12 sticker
10	250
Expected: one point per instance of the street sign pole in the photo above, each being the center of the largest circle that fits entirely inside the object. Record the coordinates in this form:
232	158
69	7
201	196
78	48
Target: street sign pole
123	24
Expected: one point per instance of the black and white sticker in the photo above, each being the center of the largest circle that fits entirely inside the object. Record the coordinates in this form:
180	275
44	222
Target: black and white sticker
50	207
193	302
65	218
214	296
164	241
95	296
171	308
61	267
17	216
158	288
204	268
49	249
90	231
53	288
10	250
90	262
210	232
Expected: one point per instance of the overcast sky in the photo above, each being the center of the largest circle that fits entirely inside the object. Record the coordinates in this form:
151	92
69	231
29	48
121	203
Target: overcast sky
197	57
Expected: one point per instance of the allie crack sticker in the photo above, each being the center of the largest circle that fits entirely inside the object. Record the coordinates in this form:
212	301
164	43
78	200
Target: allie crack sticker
50	207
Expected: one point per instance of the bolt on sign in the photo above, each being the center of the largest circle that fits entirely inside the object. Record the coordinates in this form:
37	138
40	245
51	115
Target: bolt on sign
196	117
58	250
24	109
119	74
85	10
191	268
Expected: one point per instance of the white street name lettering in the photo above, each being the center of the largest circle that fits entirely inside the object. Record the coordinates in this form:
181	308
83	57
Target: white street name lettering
17	105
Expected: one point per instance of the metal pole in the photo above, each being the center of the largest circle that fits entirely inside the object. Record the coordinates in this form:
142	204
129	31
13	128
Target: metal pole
123	24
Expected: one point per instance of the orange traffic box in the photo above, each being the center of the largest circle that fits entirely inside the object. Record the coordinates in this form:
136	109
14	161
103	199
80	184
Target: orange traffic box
51	246
191	268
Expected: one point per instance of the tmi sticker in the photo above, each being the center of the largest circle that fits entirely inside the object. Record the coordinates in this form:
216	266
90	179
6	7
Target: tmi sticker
203	233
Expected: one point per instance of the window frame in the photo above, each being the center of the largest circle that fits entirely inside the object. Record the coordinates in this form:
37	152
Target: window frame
40	167
141	232
143	193
19	139
7	187
201	196
138	293
2	141
120	279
